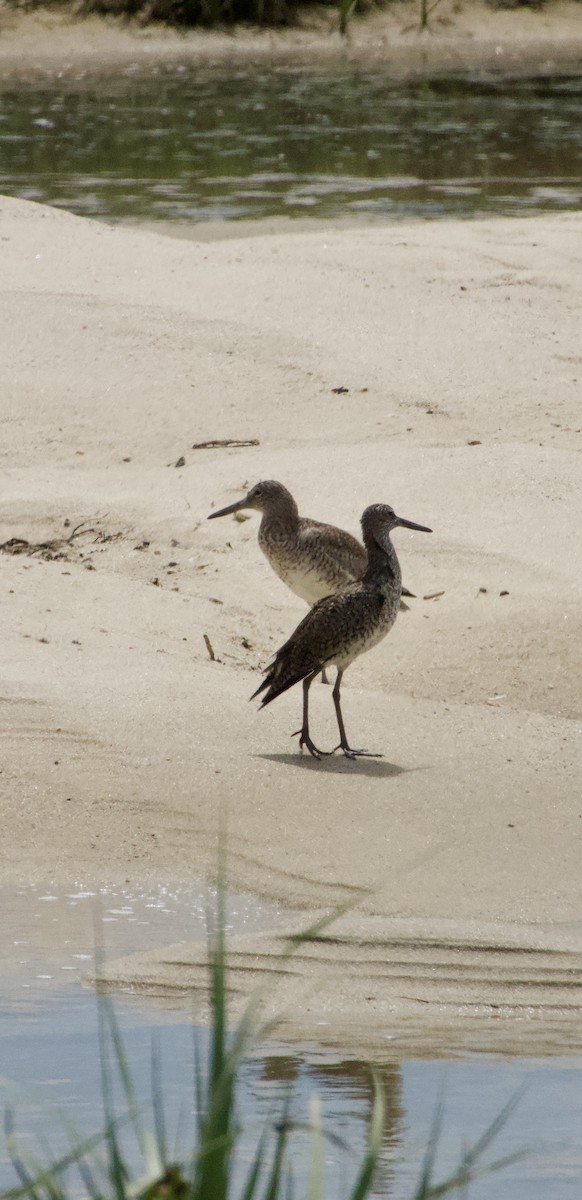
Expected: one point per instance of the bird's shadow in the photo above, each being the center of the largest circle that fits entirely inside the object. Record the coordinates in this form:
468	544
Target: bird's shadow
330	765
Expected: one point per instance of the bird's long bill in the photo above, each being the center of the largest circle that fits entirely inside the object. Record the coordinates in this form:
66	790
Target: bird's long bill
230	508
407	525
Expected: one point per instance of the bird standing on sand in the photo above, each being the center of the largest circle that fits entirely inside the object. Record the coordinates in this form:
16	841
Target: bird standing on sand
340	627
312	558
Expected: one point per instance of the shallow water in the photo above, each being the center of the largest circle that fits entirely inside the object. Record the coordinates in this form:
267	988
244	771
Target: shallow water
50	935
191	145
49	1060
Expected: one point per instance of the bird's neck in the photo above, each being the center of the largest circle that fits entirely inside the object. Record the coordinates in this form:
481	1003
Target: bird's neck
383	570
282	517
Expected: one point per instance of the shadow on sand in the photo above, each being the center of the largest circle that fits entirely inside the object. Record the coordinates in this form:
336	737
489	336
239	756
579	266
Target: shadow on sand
374	768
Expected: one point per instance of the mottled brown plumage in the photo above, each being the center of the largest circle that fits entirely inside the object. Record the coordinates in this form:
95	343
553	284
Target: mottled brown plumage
342	626
313	559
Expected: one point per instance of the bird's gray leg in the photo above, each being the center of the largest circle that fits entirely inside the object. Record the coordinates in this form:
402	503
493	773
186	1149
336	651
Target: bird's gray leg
304	738
324	678
343	745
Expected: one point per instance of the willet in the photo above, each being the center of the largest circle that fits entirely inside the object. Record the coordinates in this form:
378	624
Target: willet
312	558
342	626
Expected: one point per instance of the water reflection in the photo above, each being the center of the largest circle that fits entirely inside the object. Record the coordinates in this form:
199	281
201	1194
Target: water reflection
346	1090
58	1070
193	145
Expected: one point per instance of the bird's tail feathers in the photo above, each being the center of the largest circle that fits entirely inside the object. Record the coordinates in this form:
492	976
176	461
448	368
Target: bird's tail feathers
279	678
262	686
276	688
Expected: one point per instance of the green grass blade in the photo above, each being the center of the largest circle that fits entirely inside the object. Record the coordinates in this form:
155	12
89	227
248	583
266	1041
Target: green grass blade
252	1183
497	1124
365	1177
470	1167
272	1190
51	1187
87	1179
318	927
424	1184
32	1182
346	8
122	1067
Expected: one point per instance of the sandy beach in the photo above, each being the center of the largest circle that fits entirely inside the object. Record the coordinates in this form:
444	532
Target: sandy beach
125	746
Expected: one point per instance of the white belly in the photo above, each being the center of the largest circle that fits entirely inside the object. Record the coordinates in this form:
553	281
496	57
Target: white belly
307	564
304	583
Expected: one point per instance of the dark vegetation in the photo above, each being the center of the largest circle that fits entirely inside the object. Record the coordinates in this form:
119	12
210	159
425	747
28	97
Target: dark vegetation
257	12
206	12
199	12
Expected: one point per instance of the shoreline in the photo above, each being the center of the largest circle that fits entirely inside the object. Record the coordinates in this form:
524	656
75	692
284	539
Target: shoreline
467	39
457	348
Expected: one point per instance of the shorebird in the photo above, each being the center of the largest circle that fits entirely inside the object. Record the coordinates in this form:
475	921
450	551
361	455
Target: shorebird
342	626
312	558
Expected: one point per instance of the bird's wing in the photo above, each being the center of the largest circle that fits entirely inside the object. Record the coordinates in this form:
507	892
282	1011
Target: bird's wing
326	631
334	546
275	671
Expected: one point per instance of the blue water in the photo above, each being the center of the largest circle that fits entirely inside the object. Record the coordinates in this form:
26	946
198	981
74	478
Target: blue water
58	1069
50	1064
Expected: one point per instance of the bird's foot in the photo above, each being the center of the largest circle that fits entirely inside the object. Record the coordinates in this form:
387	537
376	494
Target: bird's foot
305	740
349	753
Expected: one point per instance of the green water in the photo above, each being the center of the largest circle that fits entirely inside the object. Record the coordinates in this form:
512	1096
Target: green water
188	145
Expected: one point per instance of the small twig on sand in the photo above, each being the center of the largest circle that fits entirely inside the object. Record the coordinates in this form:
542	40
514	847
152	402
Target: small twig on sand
217	443
16	545
208	645
82	527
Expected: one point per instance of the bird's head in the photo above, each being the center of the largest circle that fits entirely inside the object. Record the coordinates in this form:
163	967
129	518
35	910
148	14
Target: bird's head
379	520
268	495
